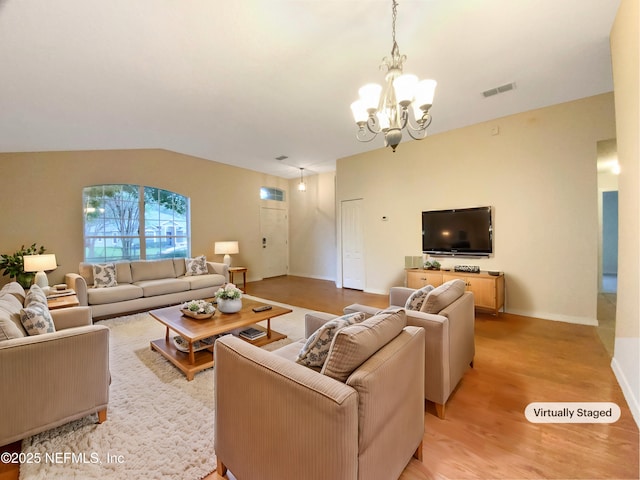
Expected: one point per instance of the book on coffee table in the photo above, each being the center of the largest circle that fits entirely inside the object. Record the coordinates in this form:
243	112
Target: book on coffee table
252	333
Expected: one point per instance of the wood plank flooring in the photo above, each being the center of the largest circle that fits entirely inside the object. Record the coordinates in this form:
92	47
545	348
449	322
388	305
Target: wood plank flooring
518	360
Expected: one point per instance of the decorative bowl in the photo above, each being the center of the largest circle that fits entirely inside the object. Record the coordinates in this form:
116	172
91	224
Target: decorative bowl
197	316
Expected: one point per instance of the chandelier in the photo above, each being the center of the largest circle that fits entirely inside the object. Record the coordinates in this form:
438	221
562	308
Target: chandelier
389	113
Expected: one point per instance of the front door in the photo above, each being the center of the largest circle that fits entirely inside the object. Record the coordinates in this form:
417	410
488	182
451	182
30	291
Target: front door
275	232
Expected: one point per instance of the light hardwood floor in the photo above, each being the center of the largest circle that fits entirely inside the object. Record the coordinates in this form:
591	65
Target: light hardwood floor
518	360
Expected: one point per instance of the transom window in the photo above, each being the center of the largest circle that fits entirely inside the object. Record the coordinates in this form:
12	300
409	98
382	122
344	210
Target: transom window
131	222
270	193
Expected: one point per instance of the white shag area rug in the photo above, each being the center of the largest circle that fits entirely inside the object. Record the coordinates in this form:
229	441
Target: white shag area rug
159	425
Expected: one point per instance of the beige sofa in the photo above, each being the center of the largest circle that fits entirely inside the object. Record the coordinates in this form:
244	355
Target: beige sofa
142	285
277	419
449	340
52	378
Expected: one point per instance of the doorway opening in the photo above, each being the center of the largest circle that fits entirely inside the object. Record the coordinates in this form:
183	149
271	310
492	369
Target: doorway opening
608	170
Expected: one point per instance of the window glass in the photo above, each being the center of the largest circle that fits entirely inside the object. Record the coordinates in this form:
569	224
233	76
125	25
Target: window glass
270	193
114	214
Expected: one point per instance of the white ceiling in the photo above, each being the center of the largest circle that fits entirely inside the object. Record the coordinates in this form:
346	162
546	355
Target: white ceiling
245	81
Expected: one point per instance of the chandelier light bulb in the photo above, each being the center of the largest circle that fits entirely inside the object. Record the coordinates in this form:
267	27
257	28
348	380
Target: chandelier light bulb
370	96
359	111
405	86
425	90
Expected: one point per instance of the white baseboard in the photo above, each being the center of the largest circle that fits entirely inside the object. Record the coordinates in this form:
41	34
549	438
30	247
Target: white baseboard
555	317
629	349
629	394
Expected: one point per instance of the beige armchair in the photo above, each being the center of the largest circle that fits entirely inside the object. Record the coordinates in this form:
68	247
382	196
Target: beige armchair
52	378
449	342
276	419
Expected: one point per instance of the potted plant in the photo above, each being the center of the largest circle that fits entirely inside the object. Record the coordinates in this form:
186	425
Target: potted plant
432	265
229	298
13	265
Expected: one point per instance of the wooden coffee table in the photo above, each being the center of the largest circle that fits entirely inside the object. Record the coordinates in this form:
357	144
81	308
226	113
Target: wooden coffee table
192	330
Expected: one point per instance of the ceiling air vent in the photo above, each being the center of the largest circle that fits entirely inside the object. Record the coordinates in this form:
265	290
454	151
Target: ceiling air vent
282	157
501	89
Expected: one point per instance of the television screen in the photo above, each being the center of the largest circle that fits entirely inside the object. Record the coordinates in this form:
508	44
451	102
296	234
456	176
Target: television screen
464	231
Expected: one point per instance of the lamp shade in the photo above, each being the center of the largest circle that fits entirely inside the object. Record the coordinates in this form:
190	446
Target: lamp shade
226	248
39	263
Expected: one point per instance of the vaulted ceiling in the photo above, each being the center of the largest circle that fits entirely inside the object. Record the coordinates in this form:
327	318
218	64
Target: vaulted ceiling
245	81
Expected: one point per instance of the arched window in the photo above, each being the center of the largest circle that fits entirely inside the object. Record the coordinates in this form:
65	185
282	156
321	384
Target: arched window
130	222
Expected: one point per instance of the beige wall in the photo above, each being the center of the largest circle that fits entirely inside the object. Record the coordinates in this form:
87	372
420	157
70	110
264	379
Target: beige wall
312	227
625	39
41	200
540	176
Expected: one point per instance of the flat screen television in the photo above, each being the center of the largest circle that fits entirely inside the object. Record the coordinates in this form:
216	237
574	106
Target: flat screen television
463	231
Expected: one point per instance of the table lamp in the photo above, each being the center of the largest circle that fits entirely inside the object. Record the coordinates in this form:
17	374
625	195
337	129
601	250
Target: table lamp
226	249
40	263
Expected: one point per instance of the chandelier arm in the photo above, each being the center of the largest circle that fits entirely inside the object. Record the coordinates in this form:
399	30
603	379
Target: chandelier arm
417	134
361	135
373	126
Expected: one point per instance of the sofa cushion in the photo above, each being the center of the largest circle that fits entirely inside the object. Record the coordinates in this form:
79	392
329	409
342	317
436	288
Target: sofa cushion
119	293
152	270
15	289
152	288
354	344
314	351
416	299
179	266
441	297
36	319
104	275
203	281
196	266
10	324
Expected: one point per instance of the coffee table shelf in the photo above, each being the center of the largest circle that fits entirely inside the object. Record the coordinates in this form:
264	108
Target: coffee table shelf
192	330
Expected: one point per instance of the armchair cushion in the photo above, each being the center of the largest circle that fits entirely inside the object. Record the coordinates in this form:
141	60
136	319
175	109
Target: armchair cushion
354	344
441	297
417	298
10	325
315	350
15	289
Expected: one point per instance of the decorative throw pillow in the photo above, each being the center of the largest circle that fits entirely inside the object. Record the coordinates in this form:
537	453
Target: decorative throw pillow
315	350
104	275
443	296
35	294
354	344
416	299
196	266
36	319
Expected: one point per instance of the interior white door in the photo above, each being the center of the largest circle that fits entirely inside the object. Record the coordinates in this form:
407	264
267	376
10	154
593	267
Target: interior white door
274	229
352	244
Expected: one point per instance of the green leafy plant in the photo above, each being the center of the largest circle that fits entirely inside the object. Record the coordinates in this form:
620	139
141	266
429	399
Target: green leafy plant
13	265
432	265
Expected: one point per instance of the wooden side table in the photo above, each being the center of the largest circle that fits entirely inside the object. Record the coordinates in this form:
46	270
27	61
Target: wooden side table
243	270
63	302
